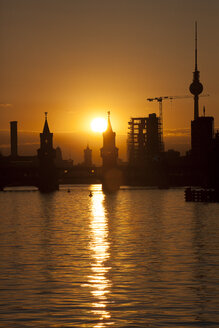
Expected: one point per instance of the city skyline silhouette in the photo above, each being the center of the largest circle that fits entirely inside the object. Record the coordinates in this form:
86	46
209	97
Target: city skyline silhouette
145	133
109	163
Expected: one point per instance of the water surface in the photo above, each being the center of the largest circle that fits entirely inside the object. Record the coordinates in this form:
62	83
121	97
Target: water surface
137	258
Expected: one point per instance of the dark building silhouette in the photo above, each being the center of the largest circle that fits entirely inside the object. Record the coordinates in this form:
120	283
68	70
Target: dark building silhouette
154	144
202	132
13	129
48	180
144	139
88	157
215	161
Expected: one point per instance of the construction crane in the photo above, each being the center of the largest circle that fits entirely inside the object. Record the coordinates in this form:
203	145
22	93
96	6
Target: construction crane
160	100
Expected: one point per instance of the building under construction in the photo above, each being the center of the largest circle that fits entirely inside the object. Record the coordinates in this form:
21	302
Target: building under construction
145	139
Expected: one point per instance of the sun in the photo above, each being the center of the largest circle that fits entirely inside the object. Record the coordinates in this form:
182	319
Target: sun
99	124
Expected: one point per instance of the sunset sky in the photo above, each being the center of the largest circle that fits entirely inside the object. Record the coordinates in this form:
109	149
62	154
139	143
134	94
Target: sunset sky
77	59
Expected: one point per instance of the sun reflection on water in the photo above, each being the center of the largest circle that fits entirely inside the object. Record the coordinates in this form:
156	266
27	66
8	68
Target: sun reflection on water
99	246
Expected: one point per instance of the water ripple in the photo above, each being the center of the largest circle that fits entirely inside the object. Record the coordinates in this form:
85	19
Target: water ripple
137	258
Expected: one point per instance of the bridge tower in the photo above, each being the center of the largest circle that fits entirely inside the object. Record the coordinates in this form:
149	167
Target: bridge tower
48	180
111	175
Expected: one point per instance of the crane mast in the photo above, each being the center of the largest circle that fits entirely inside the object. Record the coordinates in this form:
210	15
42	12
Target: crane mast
160	101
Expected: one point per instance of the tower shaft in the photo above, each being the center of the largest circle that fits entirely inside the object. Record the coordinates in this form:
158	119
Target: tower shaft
196	107
196	87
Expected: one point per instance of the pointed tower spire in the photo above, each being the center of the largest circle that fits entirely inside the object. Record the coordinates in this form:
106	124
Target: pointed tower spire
109	151
109	126
48	178
46	137
46	126
196	87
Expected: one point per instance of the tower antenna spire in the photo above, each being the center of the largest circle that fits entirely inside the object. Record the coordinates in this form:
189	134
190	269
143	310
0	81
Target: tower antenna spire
196	48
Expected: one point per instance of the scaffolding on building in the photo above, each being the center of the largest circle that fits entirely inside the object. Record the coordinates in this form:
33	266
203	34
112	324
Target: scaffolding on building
144	139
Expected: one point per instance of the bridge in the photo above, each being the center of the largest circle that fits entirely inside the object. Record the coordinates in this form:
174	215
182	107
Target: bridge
25	171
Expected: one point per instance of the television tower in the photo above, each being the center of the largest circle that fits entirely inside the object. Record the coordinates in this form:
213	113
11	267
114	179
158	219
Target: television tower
196	87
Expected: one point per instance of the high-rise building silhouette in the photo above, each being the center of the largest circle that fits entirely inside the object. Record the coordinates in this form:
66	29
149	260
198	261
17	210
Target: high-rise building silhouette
154	144
136	140
144	139
13	129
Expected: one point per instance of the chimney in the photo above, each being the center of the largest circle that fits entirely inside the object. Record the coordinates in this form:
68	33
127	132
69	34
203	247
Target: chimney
14	139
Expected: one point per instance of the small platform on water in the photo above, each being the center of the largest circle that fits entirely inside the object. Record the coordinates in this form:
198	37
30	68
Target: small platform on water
202	195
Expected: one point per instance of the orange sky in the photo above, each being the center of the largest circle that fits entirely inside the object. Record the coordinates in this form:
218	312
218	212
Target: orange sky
77	59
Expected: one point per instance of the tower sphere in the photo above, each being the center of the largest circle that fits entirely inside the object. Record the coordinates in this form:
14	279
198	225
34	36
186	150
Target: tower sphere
196	88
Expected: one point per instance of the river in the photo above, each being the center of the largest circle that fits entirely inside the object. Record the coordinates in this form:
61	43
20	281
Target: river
136	258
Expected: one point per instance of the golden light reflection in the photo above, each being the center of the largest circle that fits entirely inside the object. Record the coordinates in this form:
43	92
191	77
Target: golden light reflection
99	246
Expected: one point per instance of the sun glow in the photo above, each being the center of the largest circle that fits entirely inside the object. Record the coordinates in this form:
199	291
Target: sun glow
99	124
